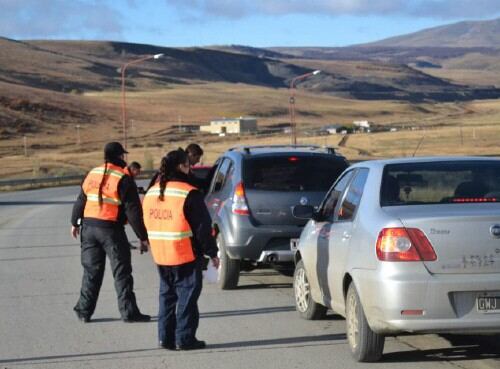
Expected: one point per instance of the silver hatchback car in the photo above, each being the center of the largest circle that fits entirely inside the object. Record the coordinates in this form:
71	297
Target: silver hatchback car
404	245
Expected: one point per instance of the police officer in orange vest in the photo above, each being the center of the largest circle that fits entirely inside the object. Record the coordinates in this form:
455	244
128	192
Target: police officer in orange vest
179	230
107	200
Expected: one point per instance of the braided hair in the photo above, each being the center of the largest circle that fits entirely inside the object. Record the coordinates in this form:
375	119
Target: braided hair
169	166
101	185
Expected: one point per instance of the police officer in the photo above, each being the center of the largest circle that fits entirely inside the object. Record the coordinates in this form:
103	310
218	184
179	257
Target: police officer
107	200
179	230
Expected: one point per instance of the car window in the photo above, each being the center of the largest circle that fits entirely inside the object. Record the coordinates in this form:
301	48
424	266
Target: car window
290	173
351	201
332	198
437	182
220	175
227	185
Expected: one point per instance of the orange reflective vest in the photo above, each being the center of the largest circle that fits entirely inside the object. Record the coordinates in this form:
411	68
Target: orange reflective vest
169	232
109	208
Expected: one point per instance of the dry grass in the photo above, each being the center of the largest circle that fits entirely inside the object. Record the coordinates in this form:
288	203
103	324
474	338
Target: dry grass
153	113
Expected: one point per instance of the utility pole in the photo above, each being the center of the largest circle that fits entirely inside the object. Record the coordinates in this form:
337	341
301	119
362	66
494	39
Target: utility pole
25	144
124	104
78	141
291	103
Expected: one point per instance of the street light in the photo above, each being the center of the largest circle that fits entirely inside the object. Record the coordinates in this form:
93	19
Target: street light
293	126
124	107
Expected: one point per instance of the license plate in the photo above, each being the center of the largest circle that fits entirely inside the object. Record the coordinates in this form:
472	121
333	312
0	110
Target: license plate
488	304
294	244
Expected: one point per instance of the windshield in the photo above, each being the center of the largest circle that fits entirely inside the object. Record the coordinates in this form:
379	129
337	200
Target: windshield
292	173
454	182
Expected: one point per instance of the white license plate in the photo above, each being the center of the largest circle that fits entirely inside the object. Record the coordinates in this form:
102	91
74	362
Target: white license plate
488	304
294	244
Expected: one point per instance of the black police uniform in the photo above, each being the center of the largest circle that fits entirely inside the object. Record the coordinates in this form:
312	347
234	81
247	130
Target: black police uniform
180	286
100	238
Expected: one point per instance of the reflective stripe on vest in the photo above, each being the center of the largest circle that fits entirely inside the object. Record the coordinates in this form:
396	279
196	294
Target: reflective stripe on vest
169	232
111	202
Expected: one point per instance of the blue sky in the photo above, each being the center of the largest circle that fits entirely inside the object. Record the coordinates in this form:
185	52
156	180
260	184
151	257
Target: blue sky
259	23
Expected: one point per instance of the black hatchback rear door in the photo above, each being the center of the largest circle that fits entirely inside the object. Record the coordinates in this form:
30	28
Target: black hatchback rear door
275	183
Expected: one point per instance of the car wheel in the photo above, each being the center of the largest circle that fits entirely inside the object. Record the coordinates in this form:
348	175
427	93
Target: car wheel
304	303
365	345
229	268
286	270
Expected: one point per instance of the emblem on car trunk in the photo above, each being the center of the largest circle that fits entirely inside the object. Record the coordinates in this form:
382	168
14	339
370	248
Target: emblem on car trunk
495	230
303	200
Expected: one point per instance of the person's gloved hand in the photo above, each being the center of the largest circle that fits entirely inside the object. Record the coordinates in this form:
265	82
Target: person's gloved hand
215	262
75	231
144	247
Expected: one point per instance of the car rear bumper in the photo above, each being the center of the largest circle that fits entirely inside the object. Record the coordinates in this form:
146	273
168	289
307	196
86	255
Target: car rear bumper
448	302
265	244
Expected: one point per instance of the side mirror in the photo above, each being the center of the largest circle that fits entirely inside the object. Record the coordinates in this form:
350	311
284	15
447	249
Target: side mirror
303	211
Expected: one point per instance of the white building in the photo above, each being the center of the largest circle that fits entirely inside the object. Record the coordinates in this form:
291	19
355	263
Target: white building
332	129
362	125
231	126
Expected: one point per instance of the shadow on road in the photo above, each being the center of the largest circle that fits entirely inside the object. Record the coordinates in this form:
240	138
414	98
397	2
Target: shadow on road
263	285
69	356
279	341
464	348
277	309
239	344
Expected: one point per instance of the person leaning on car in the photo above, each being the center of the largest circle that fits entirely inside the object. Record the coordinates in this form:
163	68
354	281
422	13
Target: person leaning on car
194	153
179	229
108	199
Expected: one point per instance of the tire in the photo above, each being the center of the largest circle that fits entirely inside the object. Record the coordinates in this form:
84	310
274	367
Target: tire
287	271
304	304
365	345
229	268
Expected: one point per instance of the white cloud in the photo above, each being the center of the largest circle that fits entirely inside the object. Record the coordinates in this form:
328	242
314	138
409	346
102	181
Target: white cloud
451	9
56	18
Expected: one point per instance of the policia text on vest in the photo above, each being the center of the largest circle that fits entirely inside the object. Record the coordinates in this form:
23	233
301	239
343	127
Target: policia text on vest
179	230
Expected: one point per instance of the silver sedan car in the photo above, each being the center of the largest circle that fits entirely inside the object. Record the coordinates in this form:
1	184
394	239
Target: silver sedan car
404	245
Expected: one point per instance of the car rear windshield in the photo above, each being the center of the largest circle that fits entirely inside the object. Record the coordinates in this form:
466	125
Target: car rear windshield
292	173
454	182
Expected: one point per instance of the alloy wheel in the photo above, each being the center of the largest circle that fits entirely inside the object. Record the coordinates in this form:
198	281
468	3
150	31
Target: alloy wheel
352	322
302	290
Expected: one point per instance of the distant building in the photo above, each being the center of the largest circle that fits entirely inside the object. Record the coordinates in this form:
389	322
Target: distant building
362	125
186	127
231	126
333	129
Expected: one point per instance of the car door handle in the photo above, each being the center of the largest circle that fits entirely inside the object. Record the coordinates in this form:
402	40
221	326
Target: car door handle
346	236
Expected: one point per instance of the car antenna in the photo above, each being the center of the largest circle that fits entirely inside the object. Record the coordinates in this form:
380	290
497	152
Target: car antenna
418	145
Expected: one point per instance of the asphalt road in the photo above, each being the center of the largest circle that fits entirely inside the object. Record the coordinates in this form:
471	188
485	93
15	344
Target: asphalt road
254	326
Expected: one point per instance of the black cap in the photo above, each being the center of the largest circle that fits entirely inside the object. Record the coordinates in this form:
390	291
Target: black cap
114	150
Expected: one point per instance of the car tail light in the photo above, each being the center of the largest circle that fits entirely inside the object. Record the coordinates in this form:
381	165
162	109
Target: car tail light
474	199
293	159
404	244
240	206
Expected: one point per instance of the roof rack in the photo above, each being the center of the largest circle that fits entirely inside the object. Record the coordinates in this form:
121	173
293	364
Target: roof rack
246	149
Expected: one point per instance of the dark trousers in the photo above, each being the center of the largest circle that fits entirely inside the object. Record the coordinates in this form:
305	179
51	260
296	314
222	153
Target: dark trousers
96	243
180	288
